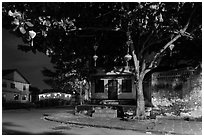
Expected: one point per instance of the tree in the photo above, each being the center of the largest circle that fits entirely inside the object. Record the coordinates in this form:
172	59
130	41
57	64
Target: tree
146	63
67	32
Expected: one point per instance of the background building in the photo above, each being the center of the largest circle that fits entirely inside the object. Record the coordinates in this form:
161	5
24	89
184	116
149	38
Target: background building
15	87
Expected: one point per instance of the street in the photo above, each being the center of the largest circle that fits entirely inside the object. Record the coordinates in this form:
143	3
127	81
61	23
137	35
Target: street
31	122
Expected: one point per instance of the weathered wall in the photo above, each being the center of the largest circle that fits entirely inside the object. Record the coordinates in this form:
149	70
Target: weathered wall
178	94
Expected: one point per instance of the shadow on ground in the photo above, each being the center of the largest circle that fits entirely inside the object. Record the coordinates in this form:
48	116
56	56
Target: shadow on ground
7	131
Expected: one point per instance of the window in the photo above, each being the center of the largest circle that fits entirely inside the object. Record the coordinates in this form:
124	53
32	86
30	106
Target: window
16	97
4	84
99	86
12	85
24	87
127	85
24	97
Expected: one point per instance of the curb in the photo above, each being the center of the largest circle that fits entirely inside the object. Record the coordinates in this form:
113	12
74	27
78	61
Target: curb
118	128
197	119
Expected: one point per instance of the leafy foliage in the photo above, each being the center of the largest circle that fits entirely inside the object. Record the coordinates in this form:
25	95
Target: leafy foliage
67	32
58	26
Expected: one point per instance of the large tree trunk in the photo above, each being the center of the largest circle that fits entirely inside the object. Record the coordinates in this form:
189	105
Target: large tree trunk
140	98
139	76
140	94
140	110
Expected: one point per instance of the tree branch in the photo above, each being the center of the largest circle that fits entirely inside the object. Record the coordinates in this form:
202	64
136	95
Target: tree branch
135	60
154	42
144	70
164	48
181	33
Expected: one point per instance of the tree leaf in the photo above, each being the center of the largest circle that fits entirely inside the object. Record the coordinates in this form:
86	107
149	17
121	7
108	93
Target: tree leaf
10	13
16	22
29	24
22	30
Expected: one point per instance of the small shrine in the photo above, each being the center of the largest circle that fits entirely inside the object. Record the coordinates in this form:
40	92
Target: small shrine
114	87
113	93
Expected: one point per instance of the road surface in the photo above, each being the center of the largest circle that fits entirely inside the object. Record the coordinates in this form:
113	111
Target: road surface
31	122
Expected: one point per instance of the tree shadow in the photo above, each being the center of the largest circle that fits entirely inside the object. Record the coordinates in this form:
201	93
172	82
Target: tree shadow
7	131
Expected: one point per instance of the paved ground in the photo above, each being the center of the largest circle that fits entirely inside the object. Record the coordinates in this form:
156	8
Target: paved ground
31	122
159	126
18	122
27	122
179	127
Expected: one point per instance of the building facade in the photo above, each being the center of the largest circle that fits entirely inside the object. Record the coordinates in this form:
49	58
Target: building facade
113	87
54	95
15	87
119	86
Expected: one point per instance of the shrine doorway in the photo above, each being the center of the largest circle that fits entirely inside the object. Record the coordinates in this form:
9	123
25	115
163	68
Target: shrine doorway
112	89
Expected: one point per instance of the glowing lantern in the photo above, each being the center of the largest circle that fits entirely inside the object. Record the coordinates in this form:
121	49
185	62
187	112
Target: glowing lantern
171	48
128	57
95	57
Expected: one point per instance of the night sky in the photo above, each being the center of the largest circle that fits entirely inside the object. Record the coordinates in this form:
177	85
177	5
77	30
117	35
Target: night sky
28	63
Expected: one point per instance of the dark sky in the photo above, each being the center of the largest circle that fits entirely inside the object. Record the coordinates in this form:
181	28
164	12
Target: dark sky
28	63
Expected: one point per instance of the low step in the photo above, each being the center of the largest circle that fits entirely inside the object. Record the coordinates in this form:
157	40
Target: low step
111	102
104	112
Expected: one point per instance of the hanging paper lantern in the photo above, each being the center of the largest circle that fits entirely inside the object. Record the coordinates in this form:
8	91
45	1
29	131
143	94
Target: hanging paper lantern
95	57
128	57
171	47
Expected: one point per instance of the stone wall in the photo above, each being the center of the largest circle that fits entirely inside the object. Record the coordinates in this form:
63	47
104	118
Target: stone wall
178	92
